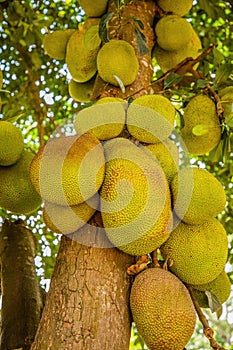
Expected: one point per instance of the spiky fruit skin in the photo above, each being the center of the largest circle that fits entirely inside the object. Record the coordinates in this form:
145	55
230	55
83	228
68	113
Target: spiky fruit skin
162	310
81	92
198	252
68	219
134	199
94	9
201	110
16	191
55	43
68	170
170	32
117	57
178	7
197	195
11	143
150	118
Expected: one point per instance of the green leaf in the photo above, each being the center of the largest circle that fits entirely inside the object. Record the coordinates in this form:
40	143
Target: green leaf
214	303
200	129
103	26
209	8
216	154
139	22
172	79
14	118
223	72
120	83
218	56
141	42
91	38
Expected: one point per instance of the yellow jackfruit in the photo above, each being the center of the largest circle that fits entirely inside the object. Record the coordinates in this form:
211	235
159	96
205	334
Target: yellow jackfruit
104	120
134	199
81	92
94	8
202	131
117	58
16	191
197	195
68	170
170	32
55	43
178	7
198	252
150	118
162	310
67	219
11	143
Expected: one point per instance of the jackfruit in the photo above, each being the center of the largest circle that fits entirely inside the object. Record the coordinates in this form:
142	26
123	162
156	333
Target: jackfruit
11	143
198	252
197	195
134	199
81	92
226	99
150	118
178	7
68	170
104	120
162	310
202	130
117	58
67	219
16	191
94	9
220	288
80	60
55	43
170	32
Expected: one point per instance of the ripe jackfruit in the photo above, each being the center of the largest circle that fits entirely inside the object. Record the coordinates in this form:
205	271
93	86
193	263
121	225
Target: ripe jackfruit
178	7
94	8
134	199
55	43
81	92
68	170
16	191
162	310
150	118
197	195
202	131
117	58
104	120
67	219
198	252
11	143
170	32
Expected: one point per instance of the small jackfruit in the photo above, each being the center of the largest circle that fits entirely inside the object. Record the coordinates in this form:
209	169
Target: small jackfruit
94	9
150	118
68	170
16	191
81	92
198	252
197	195
170	31
134	199
117	58
162	310
201	111
11	143
55	43
178	7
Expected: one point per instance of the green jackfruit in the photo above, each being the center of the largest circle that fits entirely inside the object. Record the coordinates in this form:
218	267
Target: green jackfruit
104	120
198	252
162	310
117	58
150	118
134	199
55	43
16	191
68	170
11	143
178	7
81	92
67	219
94	8
197	195
202	131
170	32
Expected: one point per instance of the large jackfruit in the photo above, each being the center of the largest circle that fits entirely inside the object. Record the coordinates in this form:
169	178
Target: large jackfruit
150	118
94	8
117	58
134	199
16	191
198	252
162	310
68	170
11	143
178	7
55	43
202	129
197	195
